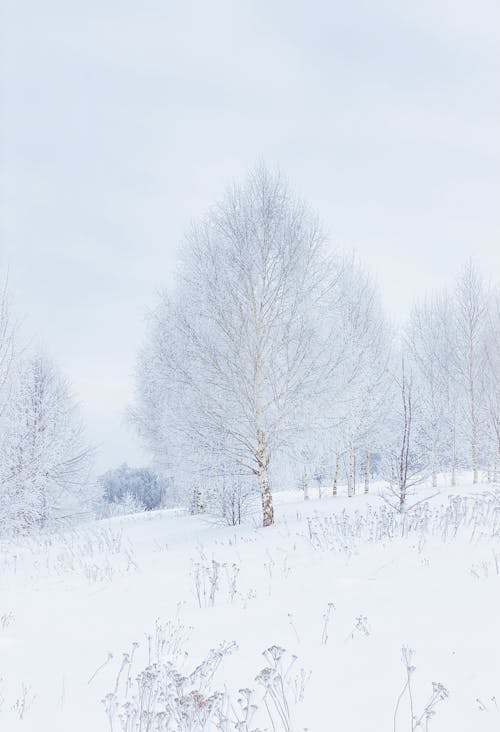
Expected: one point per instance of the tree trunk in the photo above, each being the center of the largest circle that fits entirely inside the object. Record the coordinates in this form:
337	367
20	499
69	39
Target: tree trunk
475	475
350	481
336	475
262	458
496	464
453	459
305	485
267	498
402	498
434	476
473	419
406	393
367	471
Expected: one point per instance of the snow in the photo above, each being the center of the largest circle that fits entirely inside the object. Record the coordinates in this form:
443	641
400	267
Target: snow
68	601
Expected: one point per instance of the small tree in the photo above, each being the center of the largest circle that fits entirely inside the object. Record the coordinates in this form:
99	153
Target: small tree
46	460
320	474
430	355
405	465
471	304
233	500
491	385
198	502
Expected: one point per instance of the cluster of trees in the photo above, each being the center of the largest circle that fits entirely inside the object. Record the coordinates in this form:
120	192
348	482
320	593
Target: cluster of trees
273	358
271	361
450	383
45	461
132	489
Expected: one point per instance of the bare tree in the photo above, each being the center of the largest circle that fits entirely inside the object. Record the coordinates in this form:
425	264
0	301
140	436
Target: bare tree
336	473
402	461
405	464
238	358
232	500
471	316
430	354
367	471
45	461
491	384
455	352
245	357
7	347
447	356
359	404
8	354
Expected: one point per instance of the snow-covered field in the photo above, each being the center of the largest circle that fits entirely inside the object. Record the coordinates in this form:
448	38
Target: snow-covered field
335	589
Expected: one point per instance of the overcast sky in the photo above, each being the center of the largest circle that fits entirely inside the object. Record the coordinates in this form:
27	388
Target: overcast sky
121	121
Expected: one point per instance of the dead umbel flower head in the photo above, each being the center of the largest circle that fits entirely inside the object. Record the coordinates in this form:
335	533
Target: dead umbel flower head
418	721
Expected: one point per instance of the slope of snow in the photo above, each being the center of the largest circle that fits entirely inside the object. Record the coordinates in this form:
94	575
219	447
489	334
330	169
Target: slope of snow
321	584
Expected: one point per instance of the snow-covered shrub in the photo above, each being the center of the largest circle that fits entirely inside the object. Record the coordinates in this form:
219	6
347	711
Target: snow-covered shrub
198	503
132	488
128	505
233	500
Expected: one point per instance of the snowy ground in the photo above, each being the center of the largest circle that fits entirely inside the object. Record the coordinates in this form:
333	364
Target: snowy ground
334	583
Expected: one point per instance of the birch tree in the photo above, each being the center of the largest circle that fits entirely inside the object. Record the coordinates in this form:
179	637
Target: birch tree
8	348
429	348
491	384
46	461
8	355
454	346
358	404
405	466
471	305
452	398
238	357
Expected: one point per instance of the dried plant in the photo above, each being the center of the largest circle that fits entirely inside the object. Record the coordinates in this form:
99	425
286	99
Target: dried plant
418	721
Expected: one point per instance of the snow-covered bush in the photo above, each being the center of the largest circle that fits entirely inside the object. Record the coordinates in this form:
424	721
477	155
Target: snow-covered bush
132	489
233	500
198	502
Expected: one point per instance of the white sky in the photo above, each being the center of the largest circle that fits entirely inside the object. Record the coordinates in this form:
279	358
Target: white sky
120	121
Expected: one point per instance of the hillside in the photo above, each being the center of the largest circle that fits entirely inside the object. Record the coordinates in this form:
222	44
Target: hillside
336	588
